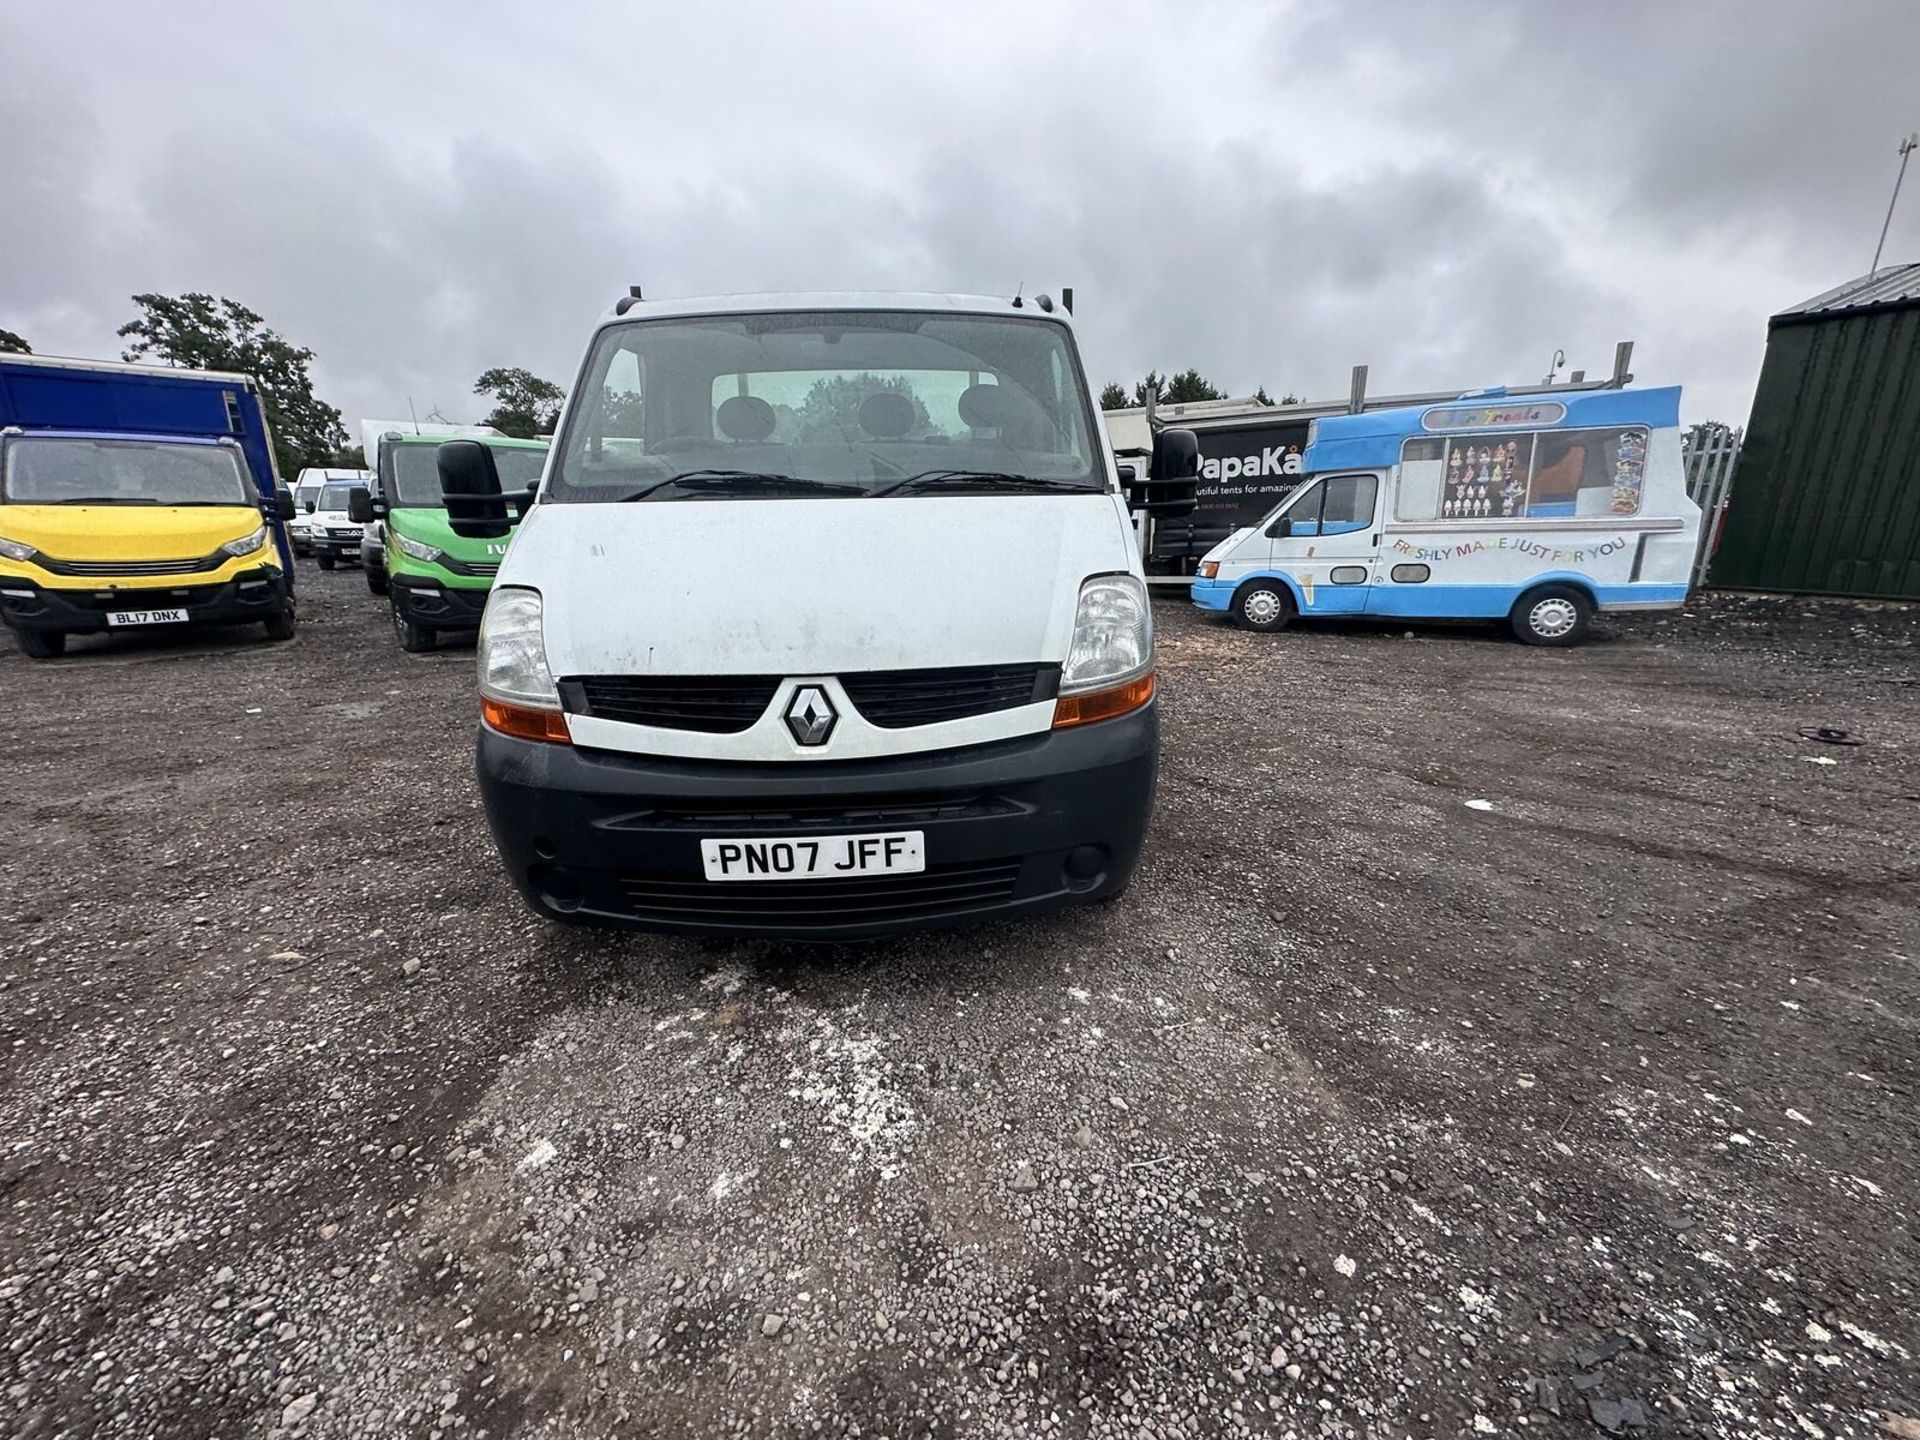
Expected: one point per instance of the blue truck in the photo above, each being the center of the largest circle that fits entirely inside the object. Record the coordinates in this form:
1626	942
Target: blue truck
136	495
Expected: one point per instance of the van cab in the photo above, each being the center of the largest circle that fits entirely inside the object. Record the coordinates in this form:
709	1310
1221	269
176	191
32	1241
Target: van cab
331	532
109	530
435	581
1539	510
307	487
827	621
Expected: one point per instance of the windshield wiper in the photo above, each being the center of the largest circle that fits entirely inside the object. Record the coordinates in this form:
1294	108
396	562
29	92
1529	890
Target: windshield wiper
754	481
111	500
975	480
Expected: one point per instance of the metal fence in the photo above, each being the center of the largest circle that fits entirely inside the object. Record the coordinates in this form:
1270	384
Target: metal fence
1708	457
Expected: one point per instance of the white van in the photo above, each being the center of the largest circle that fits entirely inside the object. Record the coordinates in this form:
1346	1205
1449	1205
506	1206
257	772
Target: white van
827	621
306	498
331	533
1536	509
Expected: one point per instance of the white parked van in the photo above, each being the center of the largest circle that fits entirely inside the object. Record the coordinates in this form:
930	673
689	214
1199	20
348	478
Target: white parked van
1533	508
306	501
827	621
332	535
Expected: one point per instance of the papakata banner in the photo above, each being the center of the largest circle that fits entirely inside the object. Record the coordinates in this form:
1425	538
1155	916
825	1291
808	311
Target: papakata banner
1245	471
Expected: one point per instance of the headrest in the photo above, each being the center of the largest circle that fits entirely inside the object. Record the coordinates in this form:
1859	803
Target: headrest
744	417
886	414
983	407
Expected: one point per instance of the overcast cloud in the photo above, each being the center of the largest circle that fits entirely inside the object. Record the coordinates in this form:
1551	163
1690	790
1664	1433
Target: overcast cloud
1272	193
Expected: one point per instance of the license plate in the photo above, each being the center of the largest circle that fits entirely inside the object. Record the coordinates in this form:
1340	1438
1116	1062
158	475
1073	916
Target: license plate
146	617
821	857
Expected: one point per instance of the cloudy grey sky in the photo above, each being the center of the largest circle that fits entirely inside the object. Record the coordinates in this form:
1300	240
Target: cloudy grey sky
1270	192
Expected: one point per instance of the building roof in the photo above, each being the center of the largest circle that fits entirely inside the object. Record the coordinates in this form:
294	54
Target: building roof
1890	285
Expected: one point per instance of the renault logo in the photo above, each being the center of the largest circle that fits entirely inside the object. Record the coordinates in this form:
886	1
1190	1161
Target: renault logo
810	715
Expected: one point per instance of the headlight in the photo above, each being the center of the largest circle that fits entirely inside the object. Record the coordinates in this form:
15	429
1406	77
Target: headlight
513	653
1209	569
14	550
427	552
247	544
1112	634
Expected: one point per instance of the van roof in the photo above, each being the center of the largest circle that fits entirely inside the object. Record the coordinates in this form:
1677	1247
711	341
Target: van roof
1373	438
494	440
886	300
37	432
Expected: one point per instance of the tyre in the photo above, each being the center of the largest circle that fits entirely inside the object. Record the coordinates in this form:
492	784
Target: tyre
414	638
1552	615
42	644
1263	605
281	625
325	562
377	581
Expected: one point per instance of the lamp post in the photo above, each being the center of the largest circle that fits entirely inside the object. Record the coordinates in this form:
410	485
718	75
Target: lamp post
1907	147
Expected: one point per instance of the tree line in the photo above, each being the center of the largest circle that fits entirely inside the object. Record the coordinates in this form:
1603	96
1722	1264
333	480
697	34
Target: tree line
1189	385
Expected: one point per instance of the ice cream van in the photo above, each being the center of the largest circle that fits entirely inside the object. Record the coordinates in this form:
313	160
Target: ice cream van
1536	509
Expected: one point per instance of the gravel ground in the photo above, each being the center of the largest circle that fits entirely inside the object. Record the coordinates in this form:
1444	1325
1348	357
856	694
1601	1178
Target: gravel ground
1495	1041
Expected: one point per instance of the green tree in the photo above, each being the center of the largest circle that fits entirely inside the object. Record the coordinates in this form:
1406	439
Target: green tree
1260	397
524	405
1155	385
351	458
197	332
1114	397
12	344
831	410
1190	385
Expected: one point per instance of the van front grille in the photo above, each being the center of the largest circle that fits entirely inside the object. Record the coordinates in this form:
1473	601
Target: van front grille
118	568
938	890
730	704
710	704
897	699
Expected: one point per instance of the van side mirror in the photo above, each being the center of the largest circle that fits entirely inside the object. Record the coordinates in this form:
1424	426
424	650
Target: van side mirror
1281	528
470	486
283	504
362	509
1173	476
309	507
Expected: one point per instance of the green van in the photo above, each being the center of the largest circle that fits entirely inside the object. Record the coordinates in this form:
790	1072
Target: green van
436	581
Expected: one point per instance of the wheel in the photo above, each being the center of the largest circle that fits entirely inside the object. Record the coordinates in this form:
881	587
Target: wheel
43	644
1263	605
377	580
280	626
1552	615
415	639
325	562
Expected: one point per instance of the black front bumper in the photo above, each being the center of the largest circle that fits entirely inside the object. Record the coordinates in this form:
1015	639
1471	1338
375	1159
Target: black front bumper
1012	828
252	595
437	607
338	547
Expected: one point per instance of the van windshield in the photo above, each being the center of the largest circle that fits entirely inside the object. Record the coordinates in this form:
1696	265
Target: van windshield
848	403
413	471
69	471
335	496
